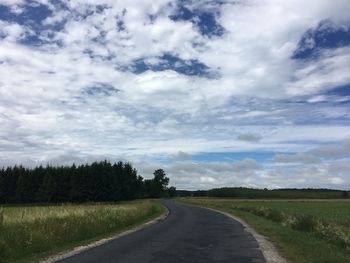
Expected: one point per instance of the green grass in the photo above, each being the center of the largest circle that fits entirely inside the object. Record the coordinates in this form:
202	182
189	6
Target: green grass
253	193
29	233
303	230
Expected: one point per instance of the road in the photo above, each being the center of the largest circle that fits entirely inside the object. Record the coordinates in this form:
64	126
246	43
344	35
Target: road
189	234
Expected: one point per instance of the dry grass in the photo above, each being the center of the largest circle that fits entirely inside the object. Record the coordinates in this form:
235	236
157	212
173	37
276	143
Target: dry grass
27	232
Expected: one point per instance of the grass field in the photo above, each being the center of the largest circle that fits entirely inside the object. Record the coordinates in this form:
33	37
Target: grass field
253	193
303	230
28	233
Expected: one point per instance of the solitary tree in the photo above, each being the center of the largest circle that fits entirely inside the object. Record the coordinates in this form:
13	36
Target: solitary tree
172	191
157	186
345	194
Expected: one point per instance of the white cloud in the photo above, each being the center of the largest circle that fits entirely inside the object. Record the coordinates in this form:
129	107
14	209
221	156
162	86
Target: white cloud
11	32
323	74
199	175
337	180
207	179
11	2
252	106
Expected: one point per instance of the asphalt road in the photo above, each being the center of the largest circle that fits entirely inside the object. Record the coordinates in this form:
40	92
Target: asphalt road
189	234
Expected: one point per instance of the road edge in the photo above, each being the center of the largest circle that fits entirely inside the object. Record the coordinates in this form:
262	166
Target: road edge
79	249
269	251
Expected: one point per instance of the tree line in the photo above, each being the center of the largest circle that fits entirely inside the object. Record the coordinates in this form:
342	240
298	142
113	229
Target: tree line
255	193
97	182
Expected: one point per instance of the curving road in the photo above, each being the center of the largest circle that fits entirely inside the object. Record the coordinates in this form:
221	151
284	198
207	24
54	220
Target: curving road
189	234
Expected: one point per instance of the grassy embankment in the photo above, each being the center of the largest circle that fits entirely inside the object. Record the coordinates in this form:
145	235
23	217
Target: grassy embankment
302	230
28	233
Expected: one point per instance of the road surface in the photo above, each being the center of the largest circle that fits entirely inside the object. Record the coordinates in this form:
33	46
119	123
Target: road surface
189	234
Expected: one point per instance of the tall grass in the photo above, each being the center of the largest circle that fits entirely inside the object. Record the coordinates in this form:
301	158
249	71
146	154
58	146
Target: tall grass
30	231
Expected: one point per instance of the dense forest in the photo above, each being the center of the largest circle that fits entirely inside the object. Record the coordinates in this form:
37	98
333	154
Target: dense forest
254	193
96	182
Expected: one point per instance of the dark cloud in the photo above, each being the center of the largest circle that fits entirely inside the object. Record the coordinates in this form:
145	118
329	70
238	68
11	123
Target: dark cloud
333	151
296	158
249	137
180	156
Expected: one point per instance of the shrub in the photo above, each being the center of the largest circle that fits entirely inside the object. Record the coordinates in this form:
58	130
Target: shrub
275	215
305	223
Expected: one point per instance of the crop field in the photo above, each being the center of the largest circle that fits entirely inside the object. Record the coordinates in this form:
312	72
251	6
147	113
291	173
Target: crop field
302	230
28	233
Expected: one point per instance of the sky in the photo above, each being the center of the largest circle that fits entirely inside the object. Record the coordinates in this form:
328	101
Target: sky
251	93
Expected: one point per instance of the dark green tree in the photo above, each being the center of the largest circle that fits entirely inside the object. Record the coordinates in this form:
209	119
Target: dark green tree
96	182
26	186
172	191
345	194
157	186
48	190
8	184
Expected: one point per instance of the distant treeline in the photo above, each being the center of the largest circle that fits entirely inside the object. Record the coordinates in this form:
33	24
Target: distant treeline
252	193
96	182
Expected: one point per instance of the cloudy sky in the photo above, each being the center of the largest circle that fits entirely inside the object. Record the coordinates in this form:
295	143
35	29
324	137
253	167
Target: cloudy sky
218	93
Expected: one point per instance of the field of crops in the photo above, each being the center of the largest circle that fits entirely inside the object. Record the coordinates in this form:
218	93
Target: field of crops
31	232
303	230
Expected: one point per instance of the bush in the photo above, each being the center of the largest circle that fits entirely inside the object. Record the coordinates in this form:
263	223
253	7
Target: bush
260	211
275	216
305	223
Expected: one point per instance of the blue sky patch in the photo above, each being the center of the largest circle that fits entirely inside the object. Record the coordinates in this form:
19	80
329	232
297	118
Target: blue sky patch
326	35
343	90
205	21
101	89
32	16
191	67
120	23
